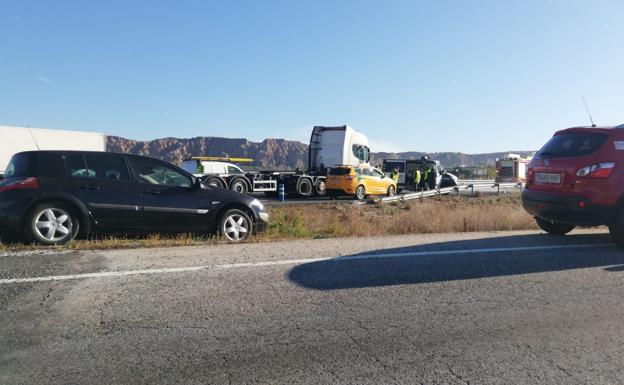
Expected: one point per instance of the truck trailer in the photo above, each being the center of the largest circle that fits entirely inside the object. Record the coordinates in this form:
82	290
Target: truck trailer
329	147
17	139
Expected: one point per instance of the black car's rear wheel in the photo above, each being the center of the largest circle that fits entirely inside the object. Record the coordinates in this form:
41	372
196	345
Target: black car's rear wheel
51	224
235	226
554	228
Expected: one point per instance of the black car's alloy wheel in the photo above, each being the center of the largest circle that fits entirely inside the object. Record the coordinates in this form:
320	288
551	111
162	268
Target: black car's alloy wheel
51	224
235	226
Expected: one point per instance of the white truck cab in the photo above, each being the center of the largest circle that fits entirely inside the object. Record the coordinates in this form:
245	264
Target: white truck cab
334	146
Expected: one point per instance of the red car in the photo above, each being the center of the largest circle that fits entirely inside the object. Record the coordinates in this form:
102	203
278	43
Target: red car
577	179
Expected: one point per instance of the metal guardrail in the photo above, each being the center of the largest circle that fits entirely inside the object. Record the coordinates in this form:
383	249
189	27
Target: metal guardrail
476	181
444	191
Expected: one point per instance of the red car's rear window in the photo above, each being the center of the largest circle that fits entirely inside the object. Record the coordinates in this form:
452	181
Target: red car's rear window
573	144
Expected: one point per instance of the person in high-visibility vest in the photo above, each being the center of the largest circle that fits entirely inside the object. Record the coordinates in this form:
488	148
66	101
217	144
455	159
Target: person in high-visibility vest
425	178
200	168
395	175
417	179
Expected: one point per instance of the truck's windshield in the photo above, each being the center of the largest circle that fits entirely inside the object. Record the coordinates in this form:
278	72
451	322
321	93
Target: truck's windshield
361	152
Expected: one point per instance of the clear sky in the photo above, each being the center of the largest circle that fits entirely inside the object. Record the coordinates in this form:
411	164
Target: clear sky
470	76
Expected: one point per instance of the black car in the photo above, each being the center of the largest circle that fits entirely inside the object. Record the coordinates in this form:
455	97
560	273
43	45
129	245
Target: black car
50	197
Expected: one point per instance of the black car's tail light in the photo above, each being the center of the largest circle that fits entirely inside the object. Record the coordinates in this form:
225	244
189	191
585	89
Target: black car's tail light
21	184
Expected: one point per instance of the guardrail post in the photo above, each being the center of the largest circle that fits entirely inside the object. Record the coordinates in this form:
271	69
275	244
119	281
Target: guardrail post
498	189
472	189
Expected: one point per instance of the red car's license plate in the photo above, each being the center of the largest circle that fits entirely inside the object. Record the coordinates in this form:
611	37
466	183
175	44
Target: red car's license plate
542	177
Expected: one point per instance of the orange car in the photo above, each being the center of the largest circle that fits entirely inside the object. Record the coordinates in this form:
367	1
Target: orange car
358	181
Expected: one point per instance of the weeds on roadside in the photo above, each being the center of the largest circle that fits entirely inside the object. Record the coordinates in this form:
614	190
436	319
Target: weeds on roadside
435	215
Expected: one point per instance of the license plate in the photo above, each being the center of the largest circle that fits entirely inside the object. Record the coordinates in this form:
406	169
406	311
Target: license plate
542	177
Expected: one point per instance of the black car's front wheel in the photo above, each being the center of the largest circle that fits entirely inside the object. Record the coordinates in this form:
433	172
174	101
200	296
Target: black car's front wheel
235	226
51	224
554	228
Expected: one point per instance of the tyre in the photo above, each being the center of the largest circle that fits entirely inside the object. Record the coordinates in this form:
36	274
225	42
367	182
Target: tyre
51	224
304	187
554	228
391	191
320	188
214	182
10	237
239	185
616	230
235	226
360	193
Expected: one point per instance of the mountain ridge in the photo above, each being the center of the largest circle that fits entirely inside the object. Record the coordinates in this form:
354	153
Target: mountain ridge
274	153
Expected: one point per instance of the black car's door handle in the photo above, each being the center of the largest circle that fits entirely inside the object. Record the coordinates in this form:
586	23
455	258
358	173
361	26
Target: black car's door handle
90	187
153	192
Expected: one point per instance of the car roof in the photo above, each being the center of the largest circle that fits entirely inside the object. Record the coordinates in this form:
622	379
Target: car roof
83	152
597	129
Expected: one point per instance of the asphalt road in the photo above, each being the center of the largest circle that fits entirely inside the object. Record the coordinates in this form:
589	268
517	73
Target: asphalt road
480	308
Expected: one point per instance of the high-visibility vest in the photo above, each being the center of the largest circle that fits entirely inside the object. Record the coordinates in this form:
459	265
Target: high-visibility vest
417	176
395	176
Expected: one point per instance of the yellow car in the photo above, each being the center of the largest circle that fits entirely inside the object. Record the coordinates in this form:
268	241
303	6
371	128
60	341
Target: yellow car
358	181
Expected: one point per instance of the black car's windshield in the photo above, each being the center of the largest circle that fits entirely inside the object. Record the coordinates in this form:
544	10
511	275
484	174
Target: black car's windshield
572	144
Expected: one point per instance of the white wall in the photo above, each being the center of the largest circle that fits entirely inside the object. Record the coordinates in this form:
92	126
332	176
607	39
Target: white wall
17	139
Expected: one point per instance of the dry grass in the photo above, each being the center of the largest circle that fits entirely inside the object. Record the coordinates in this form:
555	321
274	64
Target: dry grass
432	215
116	242
437	215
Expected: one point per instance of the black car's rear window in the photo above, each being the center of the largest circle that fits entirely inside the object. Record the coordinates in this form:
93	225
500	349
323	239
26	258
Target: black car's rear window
573	144
20	165
340	171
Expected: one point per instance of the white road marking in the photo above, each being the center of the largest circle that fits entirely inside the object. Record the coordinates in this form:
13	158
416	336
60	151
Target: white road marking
293	262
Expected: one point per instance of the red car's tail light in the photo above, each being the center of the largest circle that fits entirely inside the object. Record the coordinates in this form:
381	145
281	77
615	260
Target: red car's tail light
22	184
598	170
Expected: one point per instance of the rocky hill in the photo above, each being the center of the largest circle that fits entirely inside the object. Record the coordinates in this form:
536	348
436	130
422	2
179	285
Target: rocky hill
278	154
268	154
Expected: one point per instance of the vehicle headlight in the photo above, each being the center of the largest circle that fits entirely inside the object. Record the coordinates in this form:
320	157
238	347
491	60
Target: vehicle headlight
257	204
